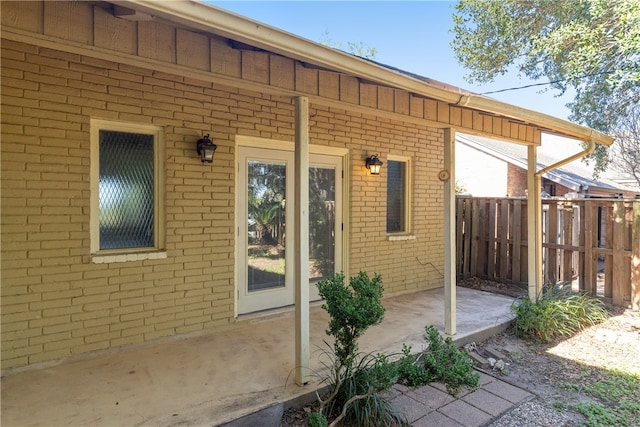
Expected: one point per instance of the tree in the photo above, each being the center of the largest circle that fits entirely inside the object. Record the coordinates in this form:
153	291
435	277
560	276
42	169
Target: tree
626	148
592	46
355	48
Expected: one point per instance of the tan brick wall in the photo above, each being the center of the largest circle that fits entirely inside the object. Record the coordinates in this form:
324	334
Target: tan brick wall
405	265
57	303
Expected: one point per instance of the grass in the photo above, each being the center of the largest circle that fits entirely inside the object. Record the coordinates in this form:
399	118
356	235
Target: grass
605	397
614	399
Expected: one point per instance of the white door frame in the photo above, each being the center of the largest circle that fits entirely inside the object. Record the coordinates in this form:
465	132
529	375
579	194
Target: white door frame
258	300
262	146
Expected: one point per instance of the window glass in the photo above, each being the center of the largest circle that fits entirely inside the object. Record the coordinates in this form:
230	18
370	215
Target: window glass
126	190
396	196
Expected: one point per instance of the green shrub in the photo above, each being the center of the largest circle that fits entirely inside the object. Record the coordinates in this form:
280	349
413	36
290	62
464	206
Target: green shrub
441	362
556	312
353	309
317	419
355	380
411	371
446	364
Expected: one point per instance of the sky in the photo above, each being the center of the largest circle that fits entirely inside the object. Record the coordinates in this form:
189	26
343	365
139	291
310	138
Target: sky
410	35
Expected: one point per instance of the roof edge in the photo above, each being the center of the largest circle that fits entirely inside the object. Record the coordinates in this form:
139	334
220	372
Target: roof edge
203	16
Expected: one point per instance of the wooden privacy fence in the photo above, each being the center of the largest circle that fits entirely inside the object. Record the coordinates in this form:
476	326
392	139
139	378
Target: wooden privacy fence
592	243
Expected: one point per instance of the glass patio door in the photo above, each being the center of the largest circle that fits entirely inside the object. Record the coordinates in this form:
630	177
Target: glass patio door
265	242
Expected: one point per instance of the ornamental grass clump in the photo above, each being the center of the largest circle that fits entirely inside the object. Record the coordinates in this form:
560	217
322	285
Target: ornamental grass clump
556	312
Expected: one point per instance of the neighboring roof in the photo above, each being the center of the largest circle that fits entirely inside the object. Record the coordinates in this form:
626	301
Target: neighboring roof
205	17
575	175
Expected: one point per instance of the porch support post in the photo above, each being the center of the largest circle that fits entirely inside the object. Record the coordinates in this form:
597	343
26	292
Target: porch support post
534	225
450	233
301	239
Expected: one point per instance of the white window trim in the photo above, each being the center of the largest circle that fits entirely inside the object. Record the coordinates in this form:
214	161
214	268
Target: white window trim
405	234
128	254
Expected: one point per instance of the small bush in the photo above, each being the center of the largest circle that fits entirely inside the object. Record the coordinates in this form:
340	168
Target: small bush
447	364
356	380
441	362
556	312
317	419
353	309
411	371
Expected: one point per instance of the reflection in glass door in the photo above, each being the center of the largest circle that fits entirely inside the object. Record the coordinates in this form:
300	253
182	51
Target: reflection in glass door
266	206
322	223
265	217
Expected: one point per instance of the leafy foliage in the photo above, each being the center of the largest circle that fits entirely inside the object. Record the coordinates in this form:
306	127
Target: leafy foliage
618	404
411	371
626	148
556	312
322	219
592	46
356	380
355	48
353	309
441	362
266	195
317	419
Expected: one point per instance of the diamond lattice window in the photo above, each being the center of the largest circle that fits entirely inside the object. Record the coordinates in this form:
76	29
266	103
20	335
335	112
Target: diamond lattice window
126	190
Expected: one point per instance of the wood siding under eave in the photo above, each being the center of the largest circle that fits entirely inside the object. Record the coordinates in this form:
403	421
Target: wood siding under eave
95	26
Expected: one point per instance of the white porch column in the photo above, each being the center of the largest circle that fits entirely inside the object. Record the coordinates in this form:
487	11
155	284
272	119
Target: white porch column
301	239
450	232
534	225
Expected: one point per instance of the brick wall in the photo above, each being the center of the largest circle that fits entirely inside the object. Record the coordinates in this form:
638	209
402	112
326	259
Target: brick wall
57	303
517	183
405	265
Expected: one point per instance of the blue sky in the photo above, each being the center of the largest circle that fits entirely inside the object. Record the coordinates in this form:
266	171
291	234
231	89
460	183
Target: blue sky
410	35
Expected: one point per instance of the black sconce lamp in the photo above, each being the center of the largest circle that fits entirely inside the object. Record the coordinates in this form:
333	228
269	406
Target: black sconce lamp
206	148
373	163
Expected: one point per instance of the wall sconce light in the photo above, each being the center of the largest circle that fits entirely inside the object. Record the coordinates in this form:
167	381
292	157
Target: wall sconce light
206	148
373	163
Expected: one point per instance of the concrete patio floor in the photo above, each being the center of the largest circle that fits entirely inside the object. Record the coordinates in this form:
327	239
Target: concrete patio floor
214	378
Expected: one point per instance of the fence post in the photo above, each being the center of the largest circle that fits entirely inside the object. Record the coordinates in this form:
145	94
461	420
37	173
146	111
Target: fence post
475	236
516	237
460	211
551	266
468	240
582	259
619	279
607	228
635	257
567	240
492	240
503	232
590	262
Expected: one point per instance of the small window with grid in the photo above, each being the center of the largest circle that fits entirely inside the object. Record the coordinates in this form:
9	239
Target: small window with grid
126	205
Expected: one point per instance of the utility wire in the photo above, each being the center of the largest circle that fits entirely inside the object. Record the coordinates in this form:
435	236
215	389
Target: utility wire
547	83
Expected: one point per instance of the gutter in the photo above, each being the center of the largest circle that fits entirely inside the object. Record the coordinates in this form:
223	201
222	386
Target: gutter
591	146
198	15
